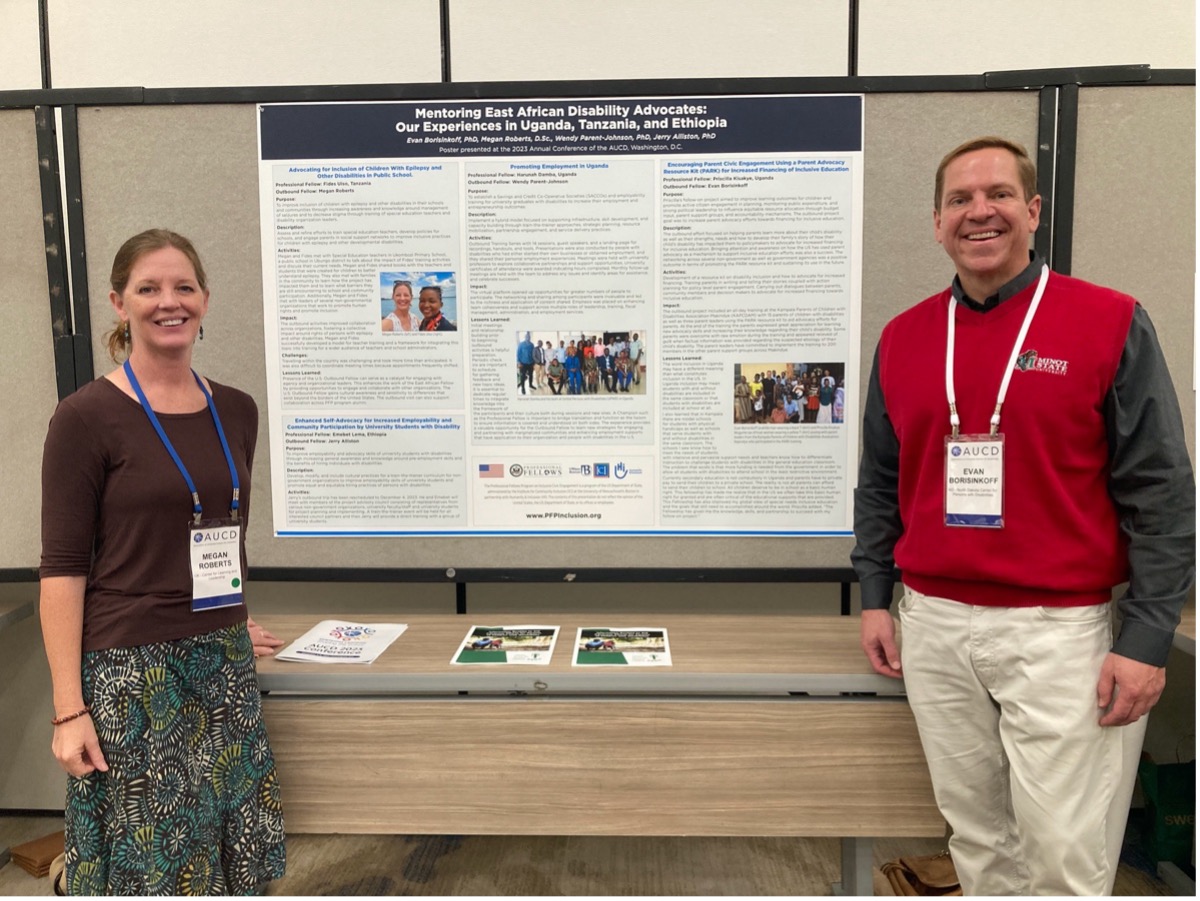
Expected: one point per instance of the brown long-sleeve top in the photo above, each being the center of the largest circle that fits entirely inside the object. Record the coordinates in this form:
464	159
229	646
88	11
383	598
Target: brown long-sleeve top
116	509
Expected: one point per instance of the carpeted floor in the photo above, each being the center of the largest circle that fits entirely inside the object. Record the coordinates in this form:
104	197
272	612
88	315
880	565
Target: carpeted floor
553	865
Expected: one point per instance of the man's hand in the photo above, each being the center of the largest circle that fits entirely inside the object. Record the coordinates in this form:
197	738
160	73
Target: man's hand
878	632
1128	689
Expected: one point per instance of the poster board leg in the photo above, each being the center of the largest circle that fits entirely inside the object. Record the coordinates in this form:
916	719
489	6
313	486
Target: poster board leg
856	868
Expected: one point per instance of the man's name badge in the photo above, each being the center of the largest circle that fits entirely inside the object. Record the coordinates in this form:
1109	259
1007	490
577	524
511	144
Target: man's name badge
975	481
216	565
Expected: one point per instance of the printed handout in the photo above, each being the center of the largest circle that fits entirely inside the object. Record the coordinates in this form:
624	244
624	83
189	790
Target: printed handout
506	645
621	647
337	641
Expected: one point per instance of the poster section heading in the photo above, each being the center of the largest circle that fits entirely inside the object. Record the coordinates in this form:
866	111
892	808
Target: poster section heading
423	129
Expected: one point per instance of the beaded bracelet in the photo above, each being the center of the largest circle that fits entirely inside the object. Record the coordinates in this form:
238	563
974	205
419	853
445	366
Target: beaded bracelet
59	720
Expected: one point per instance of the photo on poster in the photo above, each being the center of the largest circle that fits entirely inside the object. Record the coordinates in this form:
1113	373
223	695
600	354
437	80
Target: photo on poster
789	393
417	301
580	363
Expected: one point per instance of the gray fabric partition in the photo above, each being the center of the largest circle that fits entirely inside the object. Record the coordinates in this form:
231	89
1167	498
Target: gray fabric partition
28	394
193	168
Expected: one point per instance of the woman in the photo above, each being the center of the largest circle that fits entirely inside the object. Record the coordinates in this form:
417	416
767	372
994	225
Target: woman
813	404
430	303
401	318
743	411
591	373
158	718
825	399
555	375
624	373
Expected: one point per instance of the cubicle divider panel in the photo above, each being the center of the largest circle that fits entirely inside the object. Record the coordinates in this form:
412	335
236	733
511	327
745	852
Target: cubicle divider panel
27	376
906	137
1135	213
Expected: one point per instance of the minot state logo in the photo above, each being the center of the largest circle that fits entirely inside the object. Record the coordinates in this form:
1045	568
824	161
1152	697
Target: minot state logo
1029	361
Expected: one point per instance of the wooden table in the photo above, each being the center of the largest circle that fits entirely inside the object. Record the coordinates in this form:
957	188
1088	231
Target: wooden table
764	725
12	612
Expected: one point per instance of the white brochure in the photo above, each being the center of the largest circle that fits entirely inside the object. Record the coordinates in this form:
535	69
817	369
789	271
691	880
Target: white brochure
337	641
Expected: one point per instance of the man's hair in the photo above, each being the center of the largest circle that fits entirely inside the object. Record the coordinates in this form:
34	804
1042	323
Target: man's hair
1025	168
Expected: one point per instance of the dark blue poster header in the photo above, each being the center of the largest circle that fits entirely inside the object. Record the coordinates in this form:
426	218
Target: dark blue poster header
623	125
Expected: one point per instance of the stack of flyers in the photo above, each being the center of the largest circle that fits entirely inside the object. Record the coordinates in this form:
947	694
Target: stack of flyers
335	641
507	644
621	647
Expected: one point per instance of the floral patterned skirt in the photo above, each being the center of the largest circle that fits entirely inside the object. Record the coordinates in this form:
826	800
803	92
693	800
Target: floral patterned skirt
190	802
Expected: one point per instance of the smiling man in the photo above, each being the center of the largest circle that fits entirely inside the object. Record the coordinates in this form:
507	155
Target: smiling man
1051	468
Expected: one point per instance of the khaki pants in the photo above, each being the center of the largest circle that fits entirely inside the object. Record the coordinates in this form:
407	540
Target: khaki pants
1037	793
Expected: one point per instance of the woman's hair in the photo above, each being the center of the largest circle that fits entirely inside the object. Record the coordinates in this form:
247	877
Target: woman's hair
401	284
131	251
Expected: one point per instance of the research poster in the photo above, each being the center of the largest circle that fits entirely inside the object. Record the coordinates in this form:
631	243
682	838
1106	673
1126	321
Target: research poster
611	316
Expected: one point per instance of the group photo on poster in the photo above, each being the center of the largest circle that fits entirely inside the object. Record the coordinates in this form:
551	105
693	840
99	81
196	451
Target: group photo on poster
795	393
581	363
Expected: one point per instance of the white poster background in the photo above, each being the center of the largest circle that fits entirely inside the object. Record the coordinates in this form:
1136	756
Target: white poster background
539	218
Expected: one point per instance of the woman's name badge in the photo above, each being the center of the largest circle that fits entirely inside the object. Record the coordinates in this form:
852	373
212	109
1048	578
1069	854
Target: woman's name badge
975	481
216	565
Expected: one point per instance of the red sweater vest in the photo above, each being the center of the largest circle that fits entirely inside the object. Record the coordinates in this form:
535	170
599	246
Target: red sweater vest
1060	544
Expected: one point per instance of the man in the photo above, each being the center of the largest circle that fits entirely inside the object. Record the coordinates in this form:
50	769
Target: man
525	363
539	367
791	408
1051	468
825	398
607	366
635	358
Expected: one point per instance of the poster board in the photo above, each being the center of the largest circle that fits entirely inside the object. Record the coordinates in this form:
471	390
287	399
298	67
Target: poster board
666	253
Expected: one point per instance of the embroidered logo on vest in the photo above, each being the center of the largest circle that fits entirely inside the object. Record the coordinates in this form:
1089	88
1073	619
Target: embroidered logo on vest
1029	361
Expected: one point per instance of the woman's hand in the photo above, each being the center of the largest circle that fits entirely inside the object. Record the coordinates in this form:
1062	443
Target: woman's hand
265	644
77	748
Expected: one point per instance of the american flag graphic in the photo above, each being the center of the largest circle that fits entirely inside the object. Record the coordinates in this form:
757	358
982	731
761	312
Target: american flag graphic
491	470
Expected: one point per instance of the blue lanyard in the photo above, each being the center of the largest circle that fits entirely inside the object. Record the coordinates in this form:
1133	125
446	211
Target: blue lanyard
196	509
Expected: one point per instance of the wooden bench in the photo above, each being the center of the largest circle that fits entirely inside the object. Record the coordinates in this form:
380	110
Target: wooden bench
765	725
